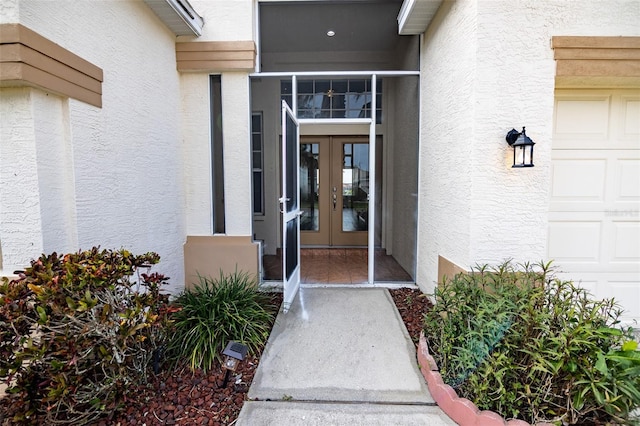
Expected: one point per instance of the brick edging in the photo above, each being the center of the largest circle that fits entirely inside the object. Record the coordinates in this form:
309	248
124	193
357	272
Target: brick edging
460	410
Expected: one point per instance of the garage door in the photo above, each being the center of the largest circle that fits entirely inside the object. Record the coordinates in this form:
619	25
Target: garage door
594	219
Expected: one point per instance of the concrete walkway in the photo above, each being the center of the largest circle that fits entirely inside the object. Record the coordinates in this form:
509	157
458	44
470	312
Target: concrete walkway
340	356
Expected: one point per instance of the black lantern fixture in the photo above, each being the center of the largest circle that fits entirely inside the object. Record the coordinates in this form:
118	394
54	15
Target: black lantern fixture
234	353
522	148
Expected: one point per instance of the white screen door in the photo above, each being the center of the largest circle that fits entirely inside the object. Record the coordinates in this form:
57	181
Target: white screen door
290	203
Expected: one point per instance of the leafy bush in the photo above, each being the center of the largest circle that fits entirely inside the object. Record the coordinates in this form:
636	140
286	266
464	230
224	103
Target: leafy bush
528	345
75	331
216	311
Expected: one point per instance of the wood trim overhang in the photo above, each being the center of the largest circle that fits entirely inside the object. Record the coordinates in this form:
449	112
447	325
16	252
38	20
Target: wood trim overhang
29	59
596	61
216	56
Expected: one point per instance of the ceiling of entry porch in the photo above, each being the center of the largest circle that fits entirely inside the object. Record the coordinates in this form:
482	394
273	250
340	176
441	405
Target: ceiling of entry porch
303	26
299	35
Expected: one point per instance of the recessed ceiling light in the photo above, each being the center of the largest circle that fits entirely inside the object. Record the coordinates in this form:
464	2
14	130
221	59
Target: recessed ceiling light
331	33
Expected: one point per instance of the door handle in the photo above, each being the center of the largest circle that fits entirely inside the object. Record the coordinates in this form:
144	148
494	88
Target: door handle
335	201
283	201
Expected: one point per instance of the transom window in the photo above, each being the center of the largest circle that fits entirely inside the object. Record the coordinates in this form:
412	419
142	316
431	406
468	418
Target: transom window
343	98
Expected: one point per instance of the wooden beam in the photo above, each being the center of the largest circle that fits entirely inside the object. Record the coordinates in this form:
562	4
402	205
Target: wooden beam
29	59
212	56
597	61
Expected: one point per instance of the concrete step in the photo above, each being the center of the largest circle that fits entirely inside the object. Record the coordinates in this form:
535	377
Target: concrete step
291	413
340	356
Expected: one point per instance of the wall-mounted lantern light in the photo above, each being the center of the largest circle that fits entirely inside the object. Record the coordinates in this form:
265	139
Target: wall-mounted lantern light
234	353
522	148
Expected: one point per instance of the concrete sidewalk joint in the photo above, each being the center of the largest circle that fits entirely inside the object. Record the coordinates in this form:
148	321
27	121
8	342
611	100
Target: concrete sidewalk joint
340	356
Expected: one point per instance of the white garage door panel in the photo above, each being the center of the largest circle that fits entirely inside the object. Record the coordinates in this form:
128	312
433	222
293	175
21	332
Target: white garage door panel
595	180
623	288
597	120
585	120
572	241
591	173
627	294
626	242
631	118
594	214
628	178
594	242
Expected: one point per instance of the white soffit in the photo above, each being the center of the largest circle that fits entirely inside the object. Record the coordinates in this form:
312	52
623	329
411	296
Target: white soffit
415	15
178	15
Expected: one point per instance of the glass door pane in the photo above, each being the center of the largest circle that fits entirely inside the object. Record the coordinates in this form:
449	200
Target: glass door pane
314	191
309	186
355	187
350	191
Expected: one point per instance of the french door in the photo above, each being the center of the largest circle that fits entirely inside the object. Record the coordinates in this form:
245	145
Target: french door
290	205
334	190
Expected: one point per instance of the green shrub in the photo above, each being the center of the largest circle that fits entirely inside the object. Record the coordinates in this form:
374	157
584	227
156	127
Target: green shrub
75	331
528	345
216	311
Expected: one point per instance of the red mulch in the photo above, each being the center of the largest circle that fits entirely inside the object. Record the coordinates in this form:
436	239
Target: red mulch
184	398
180	398
412	305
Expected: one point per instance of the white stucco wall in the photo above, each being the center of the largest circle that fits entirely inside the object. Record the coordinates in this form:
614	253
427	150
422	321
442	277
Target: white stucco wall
498	54
20	221
126	157
515	88
196	130
448	67
225	20
196	134
37	211
9	11
56	174
236	128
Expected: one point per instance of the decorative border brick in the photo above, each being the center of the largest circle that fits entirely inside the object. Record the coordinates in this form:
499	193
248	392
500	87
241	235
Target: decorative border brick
461	410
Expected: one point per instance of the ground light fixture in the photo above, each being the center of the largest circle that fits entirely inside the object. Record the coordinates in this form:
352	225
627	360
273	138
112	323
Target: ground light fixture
522	148
234	353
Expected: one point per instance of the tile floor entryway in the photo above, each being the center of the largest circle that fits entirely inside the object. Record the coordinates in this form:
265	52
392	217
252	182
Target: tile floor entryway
338	266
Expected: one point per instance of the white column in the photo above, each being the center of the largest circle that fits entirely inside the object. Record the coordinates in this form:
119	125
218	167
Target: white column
56	172
20	221
236	128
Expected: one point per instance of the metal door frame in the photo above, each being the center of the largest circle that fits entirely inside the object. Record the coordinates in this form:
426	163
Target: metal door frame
290	203
372	136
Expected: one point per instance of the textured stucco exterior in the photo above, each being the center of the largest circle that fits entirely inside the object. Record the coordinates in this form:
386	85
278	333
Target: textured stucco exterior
9	11
236	127
136	173
19	194
225	20
488	66
86	176
54	154
196	134
447	128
